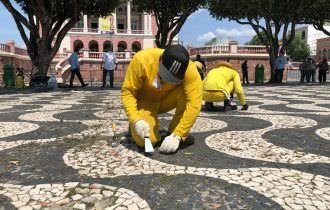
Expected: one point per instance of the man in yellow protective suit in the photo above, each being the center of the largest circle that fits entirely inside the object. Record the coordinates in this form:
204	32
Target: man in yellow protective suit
156	82
220	84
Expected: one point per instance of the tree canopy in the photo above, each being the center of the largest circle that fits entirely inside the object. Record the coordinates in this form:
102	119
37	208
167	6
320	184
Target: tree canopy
298	50
47	23
170	16
270	19
319	15
255	41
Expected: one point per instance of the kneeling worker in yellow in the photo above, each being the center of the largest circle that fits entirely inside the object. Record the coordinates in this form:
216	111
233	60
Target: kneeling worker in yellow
220	84
156	82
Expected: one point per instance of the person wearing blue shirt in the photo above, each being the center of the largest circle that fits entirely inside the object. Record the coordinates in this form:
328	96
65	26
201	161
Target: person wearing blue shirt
280	63
75	68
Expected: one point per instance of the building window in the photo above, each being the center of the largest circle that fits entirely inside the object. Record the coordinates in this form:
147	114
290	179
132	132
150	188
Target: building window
136	46
93	46
78	44
122	46
120	26
328	54
107	45
94	25
303	35
134	25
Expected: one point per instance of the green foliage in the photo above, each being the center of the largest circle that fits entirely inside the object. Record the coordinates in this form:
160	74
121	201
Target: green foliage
254	41
170	16
270	19
298	50
318	14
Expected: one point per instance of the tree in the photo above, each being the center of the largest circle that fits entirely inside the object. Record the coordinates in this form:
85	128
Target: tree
269	17
47	23
319	15
254	41
298	50
170	16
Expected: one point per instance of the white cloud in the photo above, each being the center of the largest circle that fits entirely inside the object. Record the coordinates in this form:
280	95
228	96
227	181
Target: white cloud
206	37
235	32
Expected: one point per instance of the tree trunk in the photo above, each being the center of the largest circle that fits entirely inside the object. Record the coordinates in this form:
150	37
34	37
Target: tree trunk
41	63
273	50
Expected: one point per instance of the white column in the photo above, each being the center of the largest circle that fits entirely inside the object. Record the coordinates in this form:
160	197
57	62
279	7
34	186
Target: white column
99	26
149	24
145	23
114	16
85	23
129	17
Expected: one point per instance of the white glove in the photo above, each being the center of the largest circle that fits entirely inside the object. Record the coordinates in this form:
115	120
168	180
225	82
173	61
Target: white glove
142	128
170	144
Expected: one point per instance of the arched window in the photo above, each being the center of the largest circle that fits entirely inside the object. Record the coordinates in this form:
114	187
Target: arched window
107	45
136	46
122	46
78	44
93	46
303	35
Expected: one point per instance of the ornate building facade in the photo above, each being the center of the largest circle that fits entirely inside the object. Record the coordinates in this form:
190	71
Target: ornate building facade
126	29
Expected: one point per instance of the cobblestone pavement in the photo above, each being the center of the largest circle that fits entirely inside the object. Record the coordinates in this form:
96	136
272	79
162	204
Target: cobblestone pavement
68	150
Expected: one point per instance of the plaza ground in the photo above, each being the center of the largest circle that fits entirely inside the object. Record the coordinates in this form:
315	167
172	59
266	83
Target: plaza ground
60	150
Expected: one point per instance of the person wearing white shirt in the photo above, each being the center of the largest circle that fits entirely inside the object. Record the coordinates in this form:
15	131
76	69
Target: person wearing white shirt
109	63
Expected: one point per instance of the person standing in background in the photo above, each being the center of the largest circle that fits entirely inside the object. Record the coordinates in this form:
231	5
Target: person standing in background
280	63
245	72
323	69
75	67
109	63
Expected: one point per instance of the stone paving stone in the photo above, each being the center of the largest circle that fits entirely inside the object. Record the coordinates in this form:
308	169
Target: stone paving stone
57	150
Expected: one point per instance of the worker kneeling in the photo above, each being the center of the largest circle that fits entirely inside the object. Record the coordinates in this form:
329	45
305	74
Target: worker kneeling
220	84
156	82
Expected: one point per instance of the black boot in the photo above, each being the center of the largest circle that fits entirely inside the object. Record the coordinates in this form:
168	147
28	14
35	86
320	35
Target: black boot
210	107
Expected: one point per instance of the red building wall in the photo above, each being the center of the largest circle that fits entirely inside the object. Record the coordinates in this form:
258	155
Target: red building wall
323	49
100	40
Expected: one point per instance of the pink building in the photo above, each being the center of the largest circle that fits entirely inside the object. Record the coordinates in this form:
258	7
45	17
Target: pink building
126	29
323	49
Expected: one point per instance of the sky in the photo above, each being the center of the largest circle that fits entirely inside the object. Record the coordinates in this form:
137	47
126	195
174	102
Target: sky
199	28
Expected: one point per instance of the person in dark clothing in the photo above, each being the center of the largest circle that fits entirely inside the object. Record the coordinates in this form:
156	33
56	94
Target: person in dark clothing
75	68
323	69
199	59
245	72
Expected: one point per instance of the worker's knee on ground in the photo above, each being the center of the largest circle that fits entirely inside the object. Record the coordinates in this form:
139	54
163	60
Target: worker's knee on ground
214	96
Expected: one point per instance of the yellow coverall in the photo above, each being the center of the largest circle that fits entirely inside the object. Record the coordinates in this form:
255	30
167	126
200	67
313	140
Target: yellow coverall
220	82
143	100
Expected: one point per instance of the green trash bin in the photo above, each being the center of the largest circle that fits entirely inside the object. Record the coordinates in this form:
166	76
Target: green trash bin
8	75
259	74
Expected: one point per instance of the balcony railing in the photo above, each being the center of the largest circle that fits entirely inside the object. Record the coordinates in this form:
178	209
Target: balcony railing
96	30
137	31
122	31
85	30
251	49
97	55
220	49
226	49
